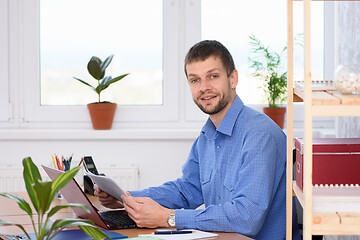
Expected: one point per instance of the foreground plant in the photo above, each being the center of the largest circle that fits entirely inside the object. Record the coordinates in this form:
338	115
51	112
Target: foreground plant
41	194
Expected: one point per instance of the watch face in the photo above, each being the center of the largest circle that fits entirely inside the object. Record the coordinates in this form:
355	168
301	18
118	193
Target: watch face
171	221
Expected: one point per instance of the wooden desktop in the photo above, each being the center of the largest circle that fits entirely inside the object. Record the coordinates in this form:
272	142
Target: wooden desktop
10	211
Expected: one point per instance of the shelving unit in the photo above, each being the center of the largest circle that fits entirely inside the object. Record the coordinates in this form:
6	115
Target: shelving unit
329	211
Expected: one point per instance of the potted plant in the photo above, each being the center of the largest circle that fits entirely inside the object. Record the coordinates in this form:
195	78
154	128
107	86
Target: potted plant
101	112
268	68
41	195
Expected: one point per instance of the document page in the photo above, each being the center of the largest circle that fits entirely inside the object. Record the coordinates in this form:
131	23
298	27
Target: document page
108	185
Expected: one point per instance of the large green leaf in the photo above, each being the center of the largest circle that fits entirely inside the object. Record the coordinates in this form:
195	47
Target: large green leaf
5	223
43	191
31	174
87	226
20	201
106	63
71	222
57	208
61	180
94	68
94	233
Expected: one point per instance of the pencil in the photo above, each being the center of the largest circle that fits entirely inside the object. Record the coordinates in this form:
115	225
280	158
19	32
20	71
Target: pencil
62	163
54	161
82	159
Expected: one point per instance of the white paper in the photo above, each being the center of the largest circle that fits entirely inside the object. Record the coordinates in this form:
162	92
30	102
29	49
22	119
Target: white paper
108	185
195	235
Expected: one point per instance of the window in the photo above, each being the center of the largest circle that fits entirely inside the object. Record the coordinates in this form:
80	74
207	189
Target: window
38	65
132	33
140	57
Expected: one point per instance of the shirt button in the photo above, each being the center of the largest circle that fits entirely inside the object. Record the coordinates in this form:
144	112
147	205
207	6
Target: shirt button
218	146
218	171
218	197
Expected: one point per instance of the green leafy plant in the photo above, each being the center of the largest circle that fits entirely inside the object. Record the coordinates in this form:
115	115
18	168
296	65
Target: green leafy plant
97	68
268	68
41	194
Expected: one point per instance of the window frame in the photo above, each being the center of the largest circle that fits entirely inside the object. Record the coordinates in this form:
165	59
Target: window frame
20	69
33	112
5	113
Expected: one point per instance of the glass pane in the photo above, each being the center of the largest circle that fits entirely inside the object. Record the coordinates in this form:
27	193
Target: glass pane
232	22
72	31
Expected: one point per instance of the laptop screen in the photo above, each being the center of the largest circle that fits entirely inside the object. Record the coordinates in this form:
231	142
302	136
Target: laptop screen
73	193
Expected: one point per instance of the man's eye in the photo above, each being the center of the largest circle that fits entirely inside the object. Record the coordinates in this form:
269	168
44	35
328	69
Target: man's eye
214	76
194	80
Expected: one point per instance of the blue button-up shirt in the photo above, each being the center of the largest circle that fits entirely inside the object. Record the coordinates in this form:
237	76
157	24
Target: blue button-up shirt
238	171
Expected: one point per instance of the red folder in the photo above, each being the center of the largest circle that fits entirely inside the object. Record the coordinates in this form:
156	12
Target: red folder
335	161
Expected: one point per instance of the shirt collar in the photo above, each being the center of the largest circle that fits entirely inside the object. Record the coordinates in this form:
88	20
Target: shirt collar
227	124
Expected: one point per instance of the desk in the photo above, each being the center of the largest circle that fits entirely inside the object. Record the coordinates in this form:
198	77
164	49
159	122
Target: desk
10	211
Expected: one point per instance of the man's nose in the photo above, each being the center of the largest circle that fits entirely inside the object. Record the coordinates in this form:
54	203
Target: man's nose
204	85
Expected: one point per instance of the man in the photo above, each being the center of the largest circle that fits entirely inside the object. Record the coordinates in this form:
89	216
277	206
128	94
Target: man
236	166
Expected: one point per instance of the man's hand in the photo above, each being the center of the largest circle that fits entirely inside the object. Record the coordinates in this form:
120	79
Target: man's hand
106	199
146	212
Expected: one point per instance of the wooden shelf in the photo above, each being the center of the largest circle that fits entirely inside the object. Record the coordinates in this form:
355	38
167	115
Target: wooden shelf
329	102
327	96
335	210
329	211
332	199
335	223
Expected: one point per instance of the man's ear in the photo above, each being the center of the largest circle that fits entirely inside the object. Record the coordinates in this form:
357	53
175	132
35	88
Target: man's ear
234	78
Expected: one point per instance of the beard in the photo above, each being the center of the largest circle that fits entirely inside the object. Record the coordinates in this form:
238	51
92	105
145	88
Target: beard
221	104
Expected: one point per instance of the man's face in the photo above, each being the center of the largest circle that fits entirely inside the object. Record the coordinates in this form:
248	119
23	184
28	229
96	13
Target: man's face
212	89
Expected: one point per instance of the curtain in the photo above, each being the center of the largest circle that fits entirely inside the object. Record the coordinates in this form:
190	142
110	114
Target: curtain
347	42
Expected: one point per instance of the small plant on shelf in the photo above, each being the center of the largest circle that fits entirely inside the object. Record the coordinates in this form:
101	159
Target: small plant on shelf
267	66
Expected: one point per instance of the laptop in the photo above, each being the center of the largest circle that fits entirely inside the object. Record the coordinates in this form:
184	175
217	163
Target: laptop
72	192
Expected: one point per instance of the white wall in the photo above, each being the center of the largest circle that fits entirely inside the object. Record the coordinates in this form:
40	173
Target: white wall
158	154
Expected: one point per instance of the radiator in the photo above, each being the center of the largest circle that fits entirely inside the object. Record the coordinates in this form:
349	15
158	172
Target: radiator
127	177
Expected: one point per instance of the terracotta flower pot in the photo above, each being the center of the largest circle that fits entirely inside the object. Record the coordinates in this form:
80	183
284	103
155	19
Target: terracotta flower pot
102	115
276	114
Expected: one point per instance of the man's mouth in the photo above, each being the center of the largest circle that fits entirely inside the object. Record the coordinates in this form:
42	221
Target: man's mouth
207	98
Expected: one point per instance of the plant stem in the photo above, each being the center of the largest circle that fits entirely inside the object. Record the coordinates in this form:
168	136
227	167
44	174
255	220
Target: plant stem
33	224
41	230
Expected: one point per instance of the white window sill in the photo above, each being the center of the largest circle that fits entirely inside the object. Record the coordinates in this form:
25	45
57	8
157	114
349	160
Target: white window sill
121	134
89	134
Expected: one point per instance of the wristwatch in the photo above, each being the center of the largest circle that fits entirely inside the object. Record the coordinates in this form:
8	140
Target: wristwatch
171	218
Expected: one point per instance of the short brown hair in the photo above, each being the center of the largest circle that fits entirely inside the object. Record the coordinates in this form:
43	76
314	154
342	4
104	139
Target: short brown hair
204	49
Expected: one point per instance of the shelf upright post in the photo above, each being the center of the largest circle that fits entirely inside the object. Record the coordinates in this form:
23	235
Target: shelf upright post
307	218
290	110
